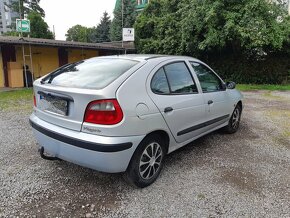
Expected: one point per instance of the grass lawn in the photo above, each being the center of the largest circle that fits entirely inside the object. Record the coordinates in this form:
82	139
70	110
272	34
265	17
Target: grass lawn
249	87
16	100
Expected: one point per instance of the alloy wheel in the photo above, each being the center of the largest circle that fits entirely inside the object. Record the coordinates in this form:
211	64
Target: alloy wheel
236	118
150	160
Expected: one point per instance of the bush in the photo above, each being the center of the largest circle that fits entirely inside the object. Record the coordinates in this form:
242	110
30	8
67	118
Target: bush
273	69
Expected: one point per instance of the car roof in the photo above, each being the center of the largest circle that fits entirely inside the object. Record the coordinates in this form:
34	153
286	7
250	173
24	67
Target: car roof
146	57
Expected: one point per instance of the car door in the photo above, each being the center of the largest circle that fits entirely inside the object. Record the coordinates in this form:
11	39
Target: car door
175	93
218	107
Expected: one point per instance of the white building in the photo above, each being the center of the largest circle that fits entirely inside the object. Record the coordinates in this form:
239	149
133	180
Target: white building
286	3
7	16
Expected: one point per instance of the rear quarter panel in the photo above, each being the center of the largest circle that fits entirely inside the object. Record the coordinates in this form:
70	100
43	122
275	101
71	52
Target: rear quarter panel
141	116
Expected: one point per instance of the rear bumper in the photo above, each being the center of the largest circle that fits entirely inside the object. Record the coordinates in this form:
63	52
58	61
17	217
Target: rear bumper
106	154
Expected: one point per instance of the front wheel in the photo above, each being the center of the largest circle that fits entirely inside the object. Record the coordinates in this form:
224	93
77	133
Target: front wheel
147	162
234	122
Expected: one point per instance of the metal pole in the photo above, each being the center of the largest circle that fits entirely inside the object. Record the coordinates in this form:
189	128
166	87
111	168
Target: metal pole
23	48
20	14
53	31
122	22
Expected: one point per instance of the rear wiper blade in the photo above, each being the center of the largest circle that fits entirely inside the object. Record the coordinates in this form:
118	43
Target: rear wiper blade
59	71
53	73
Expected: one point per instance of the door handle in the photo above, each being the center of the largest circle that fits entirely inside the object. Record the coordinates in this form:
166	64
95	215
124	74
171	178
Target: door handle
168	109
210	102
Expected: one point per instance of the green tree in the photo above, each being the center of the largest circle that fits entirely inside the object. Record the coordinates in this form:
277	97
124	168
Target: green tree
78	33
102	32
26	7
129	17
38	27
195	27
11	33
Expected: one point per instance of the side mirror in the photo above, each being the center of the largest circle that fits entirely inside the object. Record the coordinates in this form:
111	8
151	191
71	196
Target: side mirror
224	86
231	85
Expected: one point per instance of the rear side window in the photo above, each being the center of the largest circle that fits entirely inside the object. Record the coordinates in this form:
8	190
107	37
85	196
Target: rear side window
173	78
90	74
159	83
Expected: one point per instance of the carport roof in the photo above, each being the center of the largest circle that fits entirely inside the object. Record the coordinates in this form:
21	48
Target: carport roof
68	44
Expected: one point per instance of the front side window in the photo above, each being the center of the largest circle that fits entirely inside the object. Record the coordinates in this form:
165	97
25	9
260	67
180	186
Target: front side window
209	82
179	78
173	78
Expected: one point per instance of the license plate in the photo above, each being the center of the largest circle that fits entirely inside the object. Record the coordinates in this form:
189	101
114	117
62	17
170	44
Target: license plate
53	104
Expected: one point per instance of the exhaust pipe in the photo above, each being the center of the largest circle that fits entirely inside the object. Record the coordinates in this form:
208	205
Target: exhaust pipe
43	156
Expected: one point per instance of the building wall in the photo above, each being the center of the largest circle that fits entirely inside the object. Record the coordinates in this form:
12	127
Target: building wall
140	4
75	55
286	3
44	59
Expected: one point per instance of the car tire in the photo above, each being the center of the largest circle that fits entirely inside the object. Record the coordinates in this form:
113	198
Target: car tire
147	162
234	121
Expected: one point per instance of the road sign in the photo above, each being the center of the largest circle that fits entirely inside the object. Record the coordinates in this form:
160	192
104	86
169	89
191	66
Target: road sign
128	34
23	25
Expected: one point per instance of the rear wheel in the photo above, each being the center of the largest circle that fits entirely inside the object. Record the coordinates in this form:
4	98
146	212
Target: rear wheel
234	122
146	162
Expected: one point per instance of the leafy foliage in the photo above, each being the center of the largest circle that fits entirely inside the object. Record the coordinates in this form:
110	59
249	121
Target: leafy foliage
246	41
26	7
79	33
102	32
38	27
273	69
129	17
196	27
11	33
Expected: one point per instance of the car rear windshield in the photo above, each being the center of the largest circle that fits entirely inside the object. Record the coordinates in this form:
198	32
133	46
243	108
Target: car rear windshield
90	74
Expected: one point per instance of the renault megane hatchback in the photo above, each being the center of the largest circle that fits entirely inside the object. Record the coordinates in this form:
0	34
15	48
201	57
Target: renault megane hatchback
125	113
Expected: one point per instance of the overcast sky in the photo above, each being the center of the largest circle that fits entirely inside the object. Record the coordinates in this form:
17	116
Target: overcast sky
64	14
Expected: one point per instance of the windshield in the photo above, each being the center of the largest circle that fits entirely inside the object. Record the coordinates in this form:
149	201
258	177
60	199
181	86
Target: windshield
90	74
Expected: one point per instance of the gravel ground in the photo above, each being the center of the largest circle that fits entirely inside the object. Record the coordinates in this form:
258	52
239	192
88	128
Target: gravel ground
246	174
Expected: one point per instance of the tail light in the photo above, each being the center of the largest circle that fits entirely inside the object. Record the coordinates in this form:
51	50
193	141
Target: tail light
34	101
105	112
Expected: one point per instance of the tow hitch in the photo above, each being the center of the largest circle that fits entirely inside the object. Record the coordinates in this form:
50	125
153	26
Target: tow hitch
42	155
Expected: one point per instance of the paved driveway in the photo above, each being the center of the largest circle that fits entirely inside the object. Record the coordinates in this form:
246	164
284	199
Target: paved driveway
246	174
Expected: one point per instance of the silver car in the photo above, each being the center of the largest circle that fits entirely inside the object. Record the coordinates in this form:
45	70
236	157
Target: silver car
125	113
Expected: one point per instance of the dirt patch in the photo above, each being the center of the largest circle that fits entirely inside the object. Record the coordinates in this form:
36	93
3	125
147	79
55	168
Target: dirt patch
242	179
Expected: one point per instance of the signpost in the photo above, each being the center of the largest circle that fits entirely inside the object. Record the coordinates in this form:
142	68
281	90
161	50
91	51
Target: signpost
128	35
23	26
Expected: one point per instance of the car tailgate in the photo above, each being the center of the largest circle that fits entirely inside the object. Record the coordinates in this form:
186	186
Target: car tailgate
64	107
